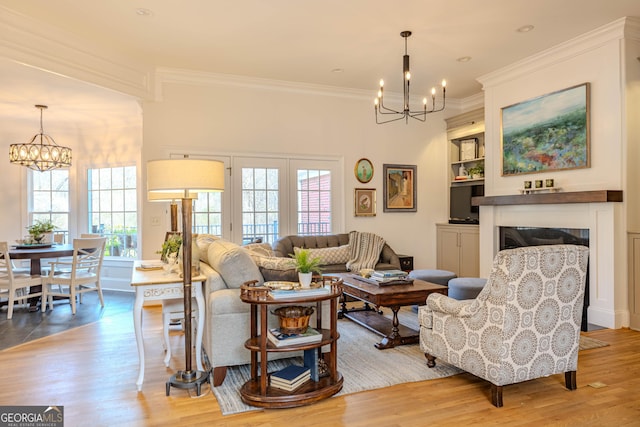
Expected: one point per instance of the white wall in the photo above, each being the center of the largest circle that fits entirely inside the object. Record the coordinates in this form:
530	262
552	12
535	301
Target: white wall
207	117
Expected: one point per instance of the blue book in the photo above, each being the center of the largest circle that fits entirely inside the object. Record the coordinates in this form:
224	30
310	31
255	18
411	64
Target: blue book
291	373
311	362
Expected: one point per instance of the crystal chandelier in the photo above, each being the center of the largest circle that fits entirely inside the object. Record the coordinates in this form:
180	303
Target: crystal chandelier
41	153
382	111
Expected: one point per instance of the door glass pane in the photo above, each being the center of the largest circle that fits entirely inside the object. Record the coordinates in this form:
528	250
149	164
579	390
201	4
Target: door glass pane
314	202
260	204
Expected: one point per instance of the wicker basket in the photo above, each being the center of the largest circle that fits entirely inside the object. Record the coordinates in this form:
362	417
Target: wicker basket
294	319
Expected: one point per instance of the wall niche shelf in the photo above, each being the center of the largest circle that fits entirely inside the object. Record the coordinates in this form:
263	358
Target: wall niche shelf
596	196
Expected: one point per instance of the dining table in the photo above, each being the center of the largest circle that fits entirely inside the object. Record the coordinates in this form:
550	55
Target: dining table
35	253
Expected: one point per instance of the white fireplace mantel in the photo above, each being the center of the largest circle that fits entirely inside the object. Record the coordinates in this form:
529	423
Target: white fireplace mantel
607	242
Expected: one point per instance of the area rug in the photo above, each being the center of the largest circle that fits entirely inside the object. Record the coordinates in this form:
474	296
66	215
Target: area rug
363	367
587	343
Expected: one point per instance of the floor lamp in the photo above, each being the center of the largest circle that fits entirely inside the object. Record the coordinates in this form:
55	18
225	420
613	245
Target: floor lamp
188	177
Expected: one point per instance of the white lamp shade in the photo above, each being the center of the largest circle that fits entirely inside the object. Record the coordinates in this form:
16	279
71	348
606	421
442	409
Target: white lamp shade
185	176
153	196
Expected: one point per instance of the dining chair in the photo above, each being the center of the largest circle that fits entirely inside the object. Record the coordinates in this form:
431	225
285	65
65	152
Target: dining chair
75	277
14	285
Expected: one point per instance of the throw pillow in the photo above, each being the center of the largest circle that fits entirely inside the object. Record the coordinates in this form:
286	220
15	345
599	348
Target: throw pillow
275	263
329	256
233	263
275	268
203	241
259	249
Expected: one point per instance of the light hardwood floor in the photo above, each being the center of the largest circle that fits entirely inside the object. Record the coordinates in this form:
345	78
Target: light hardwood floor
91	371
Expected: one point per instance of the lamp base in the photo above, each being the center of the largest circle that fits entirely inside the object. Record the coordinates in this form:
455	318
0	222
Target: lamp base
188	380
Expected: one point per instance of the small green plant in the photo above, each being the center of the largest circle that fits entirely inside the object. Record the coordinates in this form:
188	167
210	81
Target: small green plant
306	264
38	228
170	246
477	170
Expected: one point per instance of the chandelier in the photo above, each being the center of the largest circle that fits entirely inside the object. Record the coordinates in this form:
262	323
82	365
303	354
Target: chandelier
382	111
41	153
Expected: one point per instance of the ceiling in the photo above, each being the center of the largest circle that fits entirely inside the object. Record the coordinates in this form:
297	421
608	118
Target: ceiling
338	43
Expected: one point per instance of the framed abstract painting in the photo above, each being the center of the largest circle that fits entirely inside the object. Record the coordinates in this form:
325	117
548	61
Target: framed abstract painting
550	132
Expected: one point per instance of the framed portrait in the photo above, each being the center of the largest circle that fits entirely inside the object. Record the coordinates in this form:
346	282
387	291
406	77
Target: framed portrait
550	132
364	201
400	188
363	170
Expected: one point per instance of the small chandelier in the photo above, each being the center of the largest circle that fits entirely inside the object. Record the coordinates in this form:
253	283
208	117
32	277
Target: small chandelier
41	153
405	113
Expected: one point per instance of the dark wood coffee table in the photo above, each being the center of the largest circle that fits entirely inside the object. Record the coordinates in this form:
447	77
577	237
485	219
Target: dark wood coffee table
392	296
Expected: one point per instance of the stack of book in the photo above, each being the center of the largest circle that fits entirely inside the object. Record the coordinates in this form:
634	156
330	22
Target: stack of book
384	276
290	378
278	339
298	293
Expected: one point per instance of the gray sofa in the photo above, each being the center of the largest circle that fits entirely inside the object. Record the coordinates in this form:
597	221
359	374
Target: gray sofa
283	247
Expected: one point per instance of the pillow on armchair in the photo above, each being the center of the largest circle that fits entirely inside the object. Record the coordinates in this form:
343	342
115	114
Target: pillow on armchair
233	263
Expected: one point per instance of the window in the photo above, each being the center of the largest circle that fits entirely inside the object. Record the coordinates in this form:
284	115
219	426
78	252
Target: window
112	208
49	198
207	214
314	202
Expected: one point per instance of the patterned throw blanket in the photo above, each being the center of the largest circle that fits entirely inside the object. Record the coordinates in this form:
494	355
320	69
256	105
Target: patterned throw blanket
364	250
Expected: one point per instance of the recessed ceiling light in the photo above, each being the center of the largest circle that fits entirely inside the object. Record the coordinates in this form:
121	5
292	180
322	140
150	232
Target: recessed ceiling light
464	59
143	12
525	28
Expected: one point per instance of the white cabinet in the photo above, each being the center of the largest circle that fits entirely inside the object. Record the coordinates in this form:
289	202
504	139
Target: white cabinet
458	249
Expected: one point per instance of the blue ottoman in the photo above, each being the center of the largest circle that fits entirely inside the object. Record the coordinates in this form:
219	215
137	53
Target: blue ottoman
465	287
439	277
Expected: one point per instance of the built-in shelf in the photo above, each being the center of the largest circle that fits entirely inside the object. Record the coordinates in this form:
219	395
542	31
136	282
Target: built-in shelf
597	196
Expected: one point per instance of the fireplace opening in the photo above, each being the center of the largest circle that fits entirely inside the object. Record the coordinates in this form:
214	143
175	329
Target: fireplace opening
517	237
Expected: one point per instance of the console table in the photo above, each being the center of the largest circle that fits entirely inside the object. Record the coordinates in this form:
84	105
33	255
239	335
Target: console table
157	285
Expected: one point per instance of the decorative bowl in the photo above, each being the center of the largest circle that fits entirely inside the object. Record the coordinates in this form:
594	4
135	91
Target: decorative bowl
294	319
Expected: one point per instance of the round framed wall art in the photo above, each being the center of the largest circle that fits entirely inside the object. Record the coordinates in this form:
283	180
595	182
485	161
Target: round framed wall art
363	170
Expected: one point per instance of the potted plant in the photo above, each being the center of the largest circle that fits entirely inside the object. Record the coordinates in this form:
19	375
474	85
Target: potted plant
115	245
306	266
39	229
477	171
170	246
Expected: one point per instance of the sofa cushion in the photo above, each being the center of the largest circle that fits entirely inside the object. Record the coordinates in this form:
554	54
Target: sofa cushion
202	242
233	263
328	256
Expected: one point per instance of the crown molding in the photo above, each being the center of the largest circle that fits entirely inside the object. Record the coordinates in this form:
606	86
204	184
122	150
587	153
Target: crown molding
614	31
203	78
40	45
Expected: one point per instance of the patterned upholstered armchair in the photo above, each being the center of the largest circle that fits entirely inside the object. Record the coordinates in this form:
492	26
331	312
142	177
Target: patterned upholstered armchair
525	323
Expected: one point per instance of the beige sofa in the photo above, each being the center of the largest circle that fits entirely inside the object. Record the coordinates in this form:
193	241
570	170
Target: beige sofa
227	266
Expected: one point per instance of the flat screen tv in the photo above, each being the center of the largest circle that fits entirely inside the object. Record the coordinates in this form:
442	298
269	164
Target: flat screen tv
460	209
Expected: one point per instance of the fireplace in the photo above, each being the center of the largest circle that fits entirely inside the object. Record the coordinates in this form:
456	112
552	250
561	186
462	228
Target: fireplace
517	237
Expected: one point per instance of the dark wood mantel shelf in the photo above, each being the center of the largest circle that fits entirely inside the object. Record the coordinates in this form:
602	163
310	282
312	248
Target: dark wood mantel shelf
598	196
